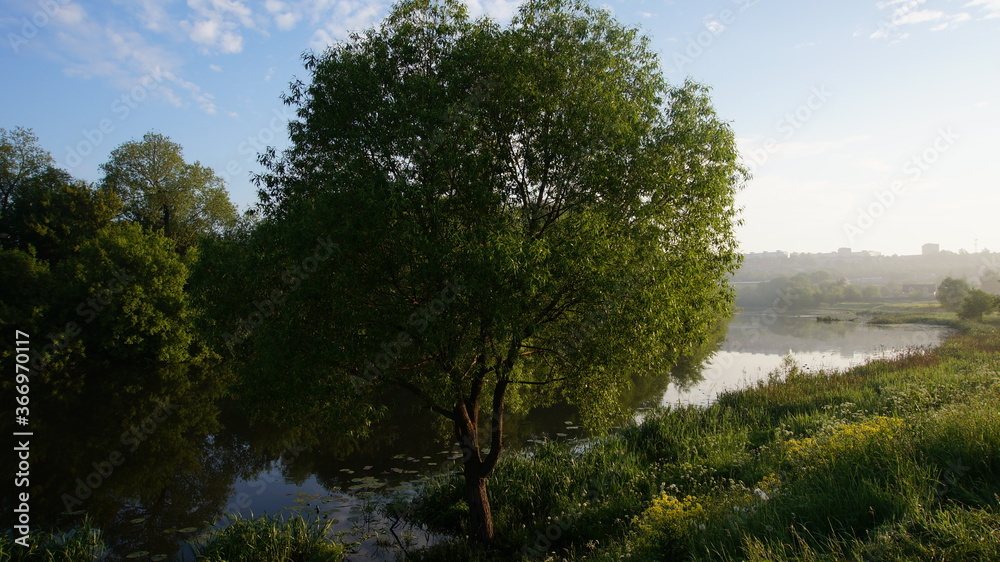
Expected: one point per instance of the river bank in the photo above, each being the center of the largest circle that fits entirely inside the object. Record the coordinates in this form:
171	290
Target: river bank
897	459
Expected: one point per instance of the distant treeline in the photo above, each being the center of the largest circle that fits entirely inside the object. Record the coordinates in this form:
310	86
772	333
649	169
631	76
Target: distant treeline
932	268
810	290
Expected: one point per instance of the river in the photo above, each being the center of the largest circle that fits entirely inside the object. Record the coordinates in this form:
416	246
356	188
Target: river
160	466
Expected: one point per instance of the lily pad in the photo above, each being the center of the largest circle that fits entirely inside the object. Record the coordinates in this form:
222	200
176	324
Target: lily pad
138	554
137	520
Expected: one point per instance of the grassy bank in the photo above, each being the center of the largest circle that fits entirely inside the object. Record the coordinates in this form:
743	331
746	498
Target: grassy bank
893	460
921	312
294	539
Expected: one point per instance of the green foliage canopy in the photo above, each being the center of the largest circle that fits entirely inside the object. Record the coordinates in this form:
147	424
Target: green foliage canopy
90	287
528	212
951	292
159	189
977	303
22	162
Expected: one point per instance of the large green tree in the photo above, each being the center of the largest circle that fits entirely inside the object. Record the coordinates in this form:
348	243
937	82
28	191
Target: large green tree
951	292
977	303
521	214
24	166
93	288
52	219
159	189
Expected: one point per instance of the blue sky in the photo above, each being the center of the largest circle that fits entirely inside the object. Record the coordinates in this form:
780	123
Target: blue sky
867	124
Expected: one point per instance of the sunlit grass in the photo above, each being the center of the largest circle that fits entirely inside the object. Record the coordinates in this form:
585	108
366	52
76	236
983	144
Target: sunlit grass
271	538
898	459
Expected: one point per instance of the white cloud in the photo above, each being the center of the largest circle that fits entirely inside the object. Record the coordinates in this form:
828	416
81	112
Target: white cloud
907	13
339	17
991	6
204	100
501	10
216	25
269	74
952	21
919	16
715	26
69	14
891	3
334	19
215	68
123	57
646	15
152	13
231	42
205	32
285	17
286	21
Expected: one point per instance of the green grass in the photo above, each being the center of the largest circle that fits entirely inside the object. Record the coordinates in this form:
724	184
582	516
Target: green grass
915	307
245	540
893	460
271	538
83	543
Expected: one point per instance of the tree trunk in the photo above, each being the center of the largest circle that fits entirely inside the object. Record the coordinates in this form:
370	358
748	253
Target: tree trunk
166	220
480	516
478	469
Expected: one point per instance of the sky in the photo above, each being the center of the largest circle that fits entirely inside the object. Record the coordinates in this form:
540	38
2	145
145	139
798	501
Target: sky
869	125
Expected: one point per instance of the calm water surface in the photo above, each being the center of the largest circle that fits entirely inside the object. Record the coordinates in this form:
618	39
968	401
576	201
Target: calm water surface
758	343
183	469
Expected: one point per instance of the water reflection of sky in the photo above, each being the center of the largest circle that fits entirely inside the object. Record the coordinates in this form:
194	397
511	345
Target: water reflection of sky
205	461
756	345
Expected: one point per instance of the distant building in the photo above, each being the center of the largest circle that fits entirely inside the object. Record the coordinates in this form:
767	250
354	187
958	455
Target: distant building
919	289
930	249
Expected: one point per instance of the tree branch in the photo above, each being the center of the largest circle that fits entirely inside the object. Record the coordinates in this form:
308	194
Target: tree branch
425	397
496	429
539	382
